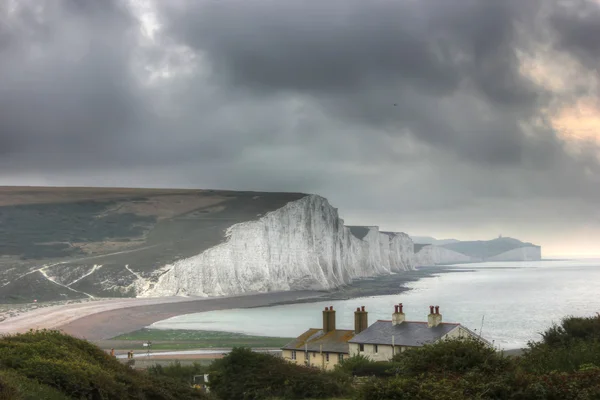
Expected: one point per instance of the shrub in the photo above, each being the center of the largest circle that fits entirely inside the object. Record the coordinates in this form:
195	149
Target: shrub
360	365
13	386
572	329
183	373
51	362
247	375
543	358
579	385
565	347
451	356
401	388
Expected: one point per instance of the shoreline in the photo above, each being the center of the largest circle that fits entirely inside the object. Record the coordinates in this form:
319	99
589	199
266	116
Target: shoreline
105	319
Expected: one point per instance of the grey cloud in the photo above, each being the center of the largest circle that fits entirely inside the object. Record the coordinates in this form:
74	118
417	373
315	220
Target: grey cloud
577	26
360	58
405	108
65	85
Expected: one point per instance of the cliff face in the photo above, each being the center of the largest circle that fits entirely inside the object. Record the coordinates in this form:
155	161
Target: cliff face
434	255
303	245
531	253
482	251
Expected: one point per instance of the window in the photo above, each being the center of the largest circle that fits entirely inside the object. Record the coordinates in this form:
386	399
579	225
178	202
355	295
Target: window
293	354
361	347
327	357
375	348
340	357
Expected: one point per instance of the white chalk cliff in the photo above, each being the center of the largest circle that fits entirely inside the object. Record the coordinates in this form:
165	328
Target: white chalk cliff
303	245
434	255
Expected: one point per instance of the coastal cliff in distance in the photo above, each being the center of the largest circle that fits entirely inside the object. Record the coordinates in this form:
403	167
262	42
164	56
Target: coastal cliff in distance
454	251
303	245
71	243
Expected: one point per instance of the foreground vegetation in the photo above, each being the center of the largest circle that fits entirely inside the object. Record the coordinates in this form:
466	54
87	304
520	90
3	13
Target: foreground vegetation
192	339
52	366
564	365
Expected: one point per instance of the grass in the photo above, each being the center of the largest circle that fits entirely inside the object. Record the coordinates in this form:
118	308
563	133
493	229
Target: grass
53	366
180	339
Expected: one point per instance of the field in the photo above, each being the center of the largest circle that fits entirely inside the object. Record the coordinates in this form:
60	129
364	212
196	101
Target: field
191	339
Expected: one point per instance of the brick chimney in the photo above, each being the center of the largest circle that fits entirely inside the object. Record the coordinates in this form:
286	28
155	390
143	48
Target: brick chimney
398	316
361	321
328	319
434	318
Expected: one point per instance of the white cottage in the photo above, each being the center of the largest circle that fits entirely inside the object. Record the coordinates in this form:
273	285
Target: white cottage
385	338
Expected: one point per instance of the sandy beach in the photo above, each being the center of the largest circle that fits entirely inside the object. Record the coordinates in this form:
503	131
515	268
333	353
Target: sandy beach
105	319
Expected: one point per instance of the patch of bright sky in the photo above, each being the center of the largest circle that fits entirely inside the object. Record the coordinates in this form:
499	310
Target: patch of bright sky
560	74
171	60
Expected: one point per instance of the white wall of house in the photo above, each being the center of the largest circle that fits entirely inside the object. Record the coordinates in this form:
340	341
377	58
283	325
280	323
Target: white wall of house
459	333
376	352
315	359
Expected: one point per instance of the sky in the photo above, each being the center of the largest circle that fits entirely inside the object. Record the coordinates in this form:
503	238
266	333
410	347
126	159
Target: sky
449	118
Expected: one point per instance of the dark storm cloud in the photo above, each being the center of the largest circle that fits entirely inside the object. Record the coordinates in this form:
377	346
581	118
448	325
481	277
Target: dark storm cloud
577	25
64	84
404	106
352	45
360	58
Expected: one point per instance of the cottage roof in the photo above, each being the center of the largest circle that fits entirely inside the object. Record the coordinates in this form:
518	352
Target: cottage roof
408	333
335	341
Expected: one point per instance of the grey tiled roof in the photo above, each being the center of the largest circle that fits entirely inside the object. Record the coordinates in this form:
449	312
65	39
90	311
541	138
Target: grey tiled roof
333	342
405	334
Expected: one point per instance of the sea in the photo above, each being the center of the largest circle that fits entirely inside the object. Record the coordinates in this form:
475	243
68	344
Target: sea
508	303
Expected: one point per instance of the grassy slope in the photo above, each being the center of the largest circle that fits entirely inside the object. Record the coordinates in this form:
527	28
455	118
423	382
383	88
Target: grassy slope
71	230
192	339
46	364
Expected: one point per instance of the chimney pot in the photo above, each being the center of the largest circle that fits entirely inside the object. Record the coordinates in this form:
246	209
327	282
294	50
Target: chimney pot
430	309
396	309
331	308
360	320
326	309
398	316
435	318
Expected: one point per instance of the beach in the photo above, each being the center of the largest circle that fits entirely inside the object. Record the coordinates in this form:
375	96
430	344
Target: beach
105	319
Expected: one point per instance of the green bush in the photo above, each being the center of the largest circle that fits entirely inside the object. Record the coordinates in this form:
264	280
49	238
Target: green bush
183	373
565	347
564	366
450	356
58	365
401	388
542	358
360	365
247	375
15	386
572	329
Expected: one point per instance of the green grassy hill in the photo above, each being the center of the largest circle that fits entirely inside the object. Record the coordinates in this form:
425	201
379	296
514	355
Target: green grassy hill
51	366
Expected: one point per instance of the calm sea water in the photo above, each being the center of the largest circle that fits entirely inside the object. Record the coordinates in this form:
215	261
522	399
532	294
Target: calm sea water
514	300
